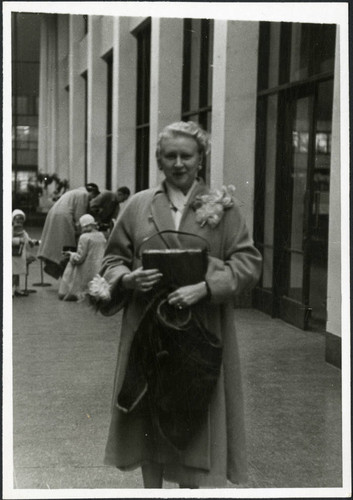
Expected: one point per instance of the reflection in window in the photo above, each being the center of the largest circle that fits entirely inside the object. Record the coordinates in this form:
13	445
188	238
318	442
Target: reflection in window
300	141
25	178
25	137
323	143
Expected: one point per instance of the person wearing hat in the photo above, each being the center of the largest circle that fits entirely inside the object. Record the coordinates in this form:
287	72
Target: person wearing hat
83	264
21	244
61	228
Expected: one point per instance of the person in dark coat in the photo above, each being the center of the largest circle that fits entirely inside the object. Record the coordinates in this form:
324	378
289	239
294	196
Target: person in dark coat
62	229
106	206
182	202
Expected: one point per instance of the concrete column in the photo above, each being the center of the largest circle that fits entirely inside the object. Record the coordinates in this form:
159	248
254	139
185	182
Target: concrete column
76	106
124	104
97	105
234	109
62	135
218	102
48	104
166	81
334	299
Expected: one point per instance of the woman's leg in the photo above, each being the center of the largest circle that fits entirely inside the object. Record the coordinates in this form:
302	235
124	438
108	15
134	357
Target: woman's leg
152	475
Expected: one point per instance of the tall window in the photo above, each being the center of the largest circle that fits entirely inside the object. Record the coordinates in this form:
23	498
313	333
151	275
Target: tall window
25	95
143	36
108	169
197	75
293	141
85	24
84	76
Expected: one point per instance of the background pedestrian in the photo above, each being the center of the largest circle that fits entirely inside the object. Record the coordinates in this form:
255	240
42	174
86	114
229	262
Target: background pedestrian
84	264
21	255
61	227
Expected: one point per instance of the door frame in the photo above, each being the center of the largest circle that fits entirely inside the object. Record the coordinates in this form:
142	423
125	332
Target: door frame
271	301
293	311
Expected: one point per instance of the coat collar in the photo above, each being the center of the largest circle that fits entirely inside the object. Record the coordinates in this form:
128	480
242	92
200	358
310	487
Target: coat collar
162	217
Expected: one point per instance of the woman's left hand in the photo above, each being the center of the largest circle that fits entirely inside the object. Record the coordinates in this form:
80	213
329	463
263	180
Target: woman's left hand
188	295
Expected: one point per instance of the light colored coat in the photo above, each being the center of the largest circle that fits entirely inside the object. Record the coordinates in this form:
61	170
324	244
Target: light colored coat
19	263
218	451
83	266
60	228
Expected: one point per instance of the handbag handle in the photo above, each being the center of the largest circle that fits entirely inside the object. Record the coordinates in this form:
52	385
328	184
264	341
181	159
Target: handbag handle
173	231
181	324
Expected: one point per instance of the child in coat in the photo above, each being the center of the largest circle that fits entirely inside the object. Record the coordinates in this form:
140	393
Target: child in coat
21	255
83	264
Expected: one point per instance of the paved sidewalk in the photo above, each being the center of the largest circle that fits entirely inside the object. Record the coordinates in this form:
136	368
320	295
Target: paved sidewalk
63	364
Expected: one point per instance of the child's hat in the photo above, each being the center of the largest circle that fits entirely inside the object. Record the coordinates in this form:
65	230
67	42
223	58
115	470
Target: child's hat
18	212
86	220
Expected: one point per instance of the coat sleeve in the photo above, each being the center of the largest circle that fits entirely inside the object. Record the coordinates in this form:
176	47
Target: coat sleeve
80	206
241	267
79	257
29	242
117	261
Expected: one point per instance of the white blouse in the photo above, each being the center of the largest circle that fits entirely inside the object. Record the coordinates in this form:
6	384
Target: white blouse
178	201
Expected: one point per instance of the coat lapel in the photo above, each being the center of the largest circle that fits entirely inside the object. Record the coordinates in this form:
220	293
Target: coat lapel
162	217
188	221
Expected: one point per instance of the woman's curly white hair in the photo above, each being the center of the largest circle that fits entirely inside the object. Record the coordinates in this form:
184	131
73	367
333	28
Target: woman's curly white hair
189	129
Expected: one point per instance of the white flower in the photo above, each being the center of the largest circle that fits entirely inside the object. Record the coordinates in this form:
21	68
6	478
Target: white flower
214	220
99	288
211	206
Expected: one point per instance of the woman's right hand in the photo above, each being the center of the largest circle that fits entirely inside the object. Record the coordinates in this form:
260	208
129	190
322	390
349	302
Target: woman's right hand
141	279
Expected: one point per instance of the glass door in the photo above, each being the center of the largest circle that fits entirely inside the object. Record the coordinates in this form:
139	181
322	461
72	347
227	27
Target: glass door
302	205
319	206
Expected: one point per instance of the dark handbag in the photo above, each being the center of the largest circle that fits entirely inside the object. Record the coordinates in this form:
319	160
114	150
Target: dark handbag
174	364
179	266
174	361
187	375
17	250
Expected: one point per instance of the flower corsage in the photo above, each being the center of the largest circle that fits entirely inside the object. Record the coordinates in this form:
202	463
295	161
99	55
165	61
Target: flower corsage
99	288
210	207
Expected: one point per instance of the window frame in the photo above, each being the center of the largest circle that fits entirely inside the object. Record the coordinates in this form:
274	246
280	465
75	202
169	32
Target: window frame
143	85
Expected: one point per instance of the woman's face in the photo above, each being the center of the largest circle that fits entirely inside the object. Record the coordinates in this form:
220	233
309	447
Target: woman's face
180	161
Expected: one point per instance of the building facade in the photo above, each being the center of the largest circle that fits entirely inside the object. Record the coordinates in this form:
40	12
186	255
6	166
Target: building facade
269	95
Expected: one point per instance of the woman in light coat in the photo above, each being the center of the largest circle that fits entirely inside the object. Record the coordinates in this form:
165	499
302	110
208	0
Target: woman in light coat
84	263
183	202
61	227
